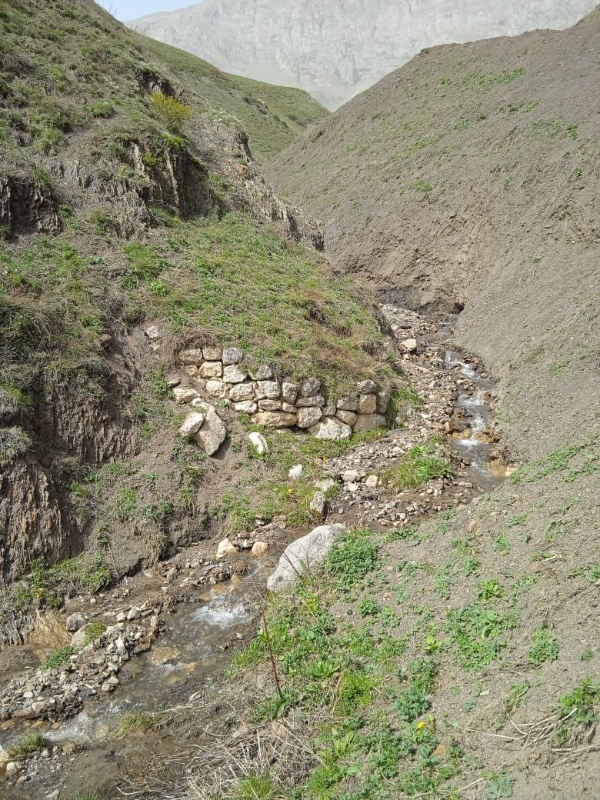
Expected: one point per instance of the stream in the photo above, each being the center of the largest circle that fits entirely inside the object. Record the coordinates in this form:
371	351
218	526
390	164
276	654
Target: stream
196	641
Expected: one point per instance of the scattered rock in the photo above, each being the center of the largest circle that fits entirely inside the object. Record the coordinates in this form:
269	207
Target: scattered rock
274	419
241	392
313	400
259	549
217	389
261	373
211	369
383	401
325	485
75	621
372	481
289	392
409	345
302	555
61	692
152	333
213	433
367	404
350	475
296	472
318	506
79	637
212	352
12	768
270	405
269	390
259	443
332	429
370	422
347	417
245	407
366	387
347	403
173	380
310	387
192	356
191	425
234	374
183	396
224	549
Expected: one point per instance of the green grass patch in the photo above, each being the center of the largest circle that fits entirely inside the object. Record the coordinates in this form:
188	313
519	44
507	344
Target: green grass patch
544	647
577	711
422	463
106	66
138	722
561	461
60	657
353	556
478	633
93	631
26	746
237	281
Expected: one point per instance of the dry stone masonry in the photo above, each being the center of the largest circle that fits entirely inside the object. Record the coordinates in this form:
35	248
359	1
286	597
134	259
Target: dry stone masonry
213	375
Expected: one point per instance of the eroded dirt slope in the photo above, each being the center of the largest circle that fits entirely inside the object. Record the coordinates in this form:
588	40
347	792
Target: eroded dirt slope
468	178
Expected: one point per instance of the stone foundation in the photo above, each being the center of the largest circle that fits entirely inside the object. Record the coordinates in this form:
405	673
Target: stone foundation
225	375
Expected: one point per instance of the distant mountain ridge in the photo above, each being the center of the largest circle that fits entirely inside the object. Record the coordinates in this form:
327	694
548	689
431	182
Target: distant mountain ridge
335	49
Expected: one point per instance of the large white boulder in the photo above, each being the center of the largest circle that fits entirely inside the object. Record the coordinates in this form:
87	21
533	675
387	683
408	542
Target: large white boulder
301	556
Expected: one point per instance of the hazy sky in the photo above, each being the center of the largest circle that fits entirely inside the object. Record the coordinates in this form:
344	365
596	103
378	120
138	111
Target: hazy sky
132	9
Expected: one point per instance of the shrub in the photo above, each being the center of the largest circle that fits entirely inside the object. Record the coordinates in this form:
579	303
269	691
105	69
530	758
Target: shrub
14	442
173	113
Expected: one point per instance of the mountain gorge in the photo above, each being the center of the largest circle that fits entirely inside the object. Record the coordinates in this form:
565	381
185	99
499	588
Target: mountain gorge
334	50
299	444
467	179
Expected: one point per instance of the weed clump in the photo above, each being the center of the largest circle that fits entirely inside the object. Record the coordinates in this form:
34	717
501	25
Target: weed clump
171	112
421	464
352	557
60	657
27	746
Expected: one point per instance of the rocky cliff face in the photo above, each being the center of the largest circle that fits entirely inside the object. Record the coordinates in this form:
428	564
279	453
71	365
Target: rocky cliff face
337	48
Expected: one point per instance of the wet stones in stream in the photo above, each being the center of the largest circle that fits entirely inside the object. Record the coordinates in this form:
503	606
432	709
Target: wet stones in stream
57	693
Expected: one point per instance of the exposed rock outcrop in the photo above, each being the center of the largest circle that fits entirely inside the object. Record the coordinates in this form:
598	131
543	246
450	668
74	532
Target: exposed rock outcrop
27	206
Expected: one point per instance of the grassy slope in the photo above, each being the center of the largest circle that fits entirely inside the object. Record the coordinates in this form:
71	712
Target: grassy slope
416	662
60	67
56	91
74	90
272	116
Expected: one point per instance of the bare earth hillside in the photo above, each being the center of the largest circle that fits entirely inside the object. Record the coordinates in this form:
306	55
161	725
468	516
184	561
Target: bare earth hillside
333	49
469	178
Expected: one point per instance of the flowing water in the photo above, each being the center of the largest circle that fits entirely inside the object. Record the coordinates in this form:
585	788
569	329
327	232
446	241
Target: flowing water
474	444
193	650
